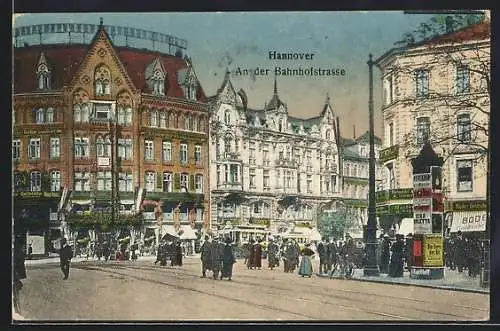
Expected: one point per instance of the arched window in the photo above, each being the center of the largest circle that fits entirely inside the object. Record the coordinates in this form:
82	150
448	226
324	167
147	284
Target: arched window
227	117
187	122
121	116
192	123
102	79
77	115
163	119
158	83
227	144
49	115
328	135
85	112
99	146
39	116
107	146
180	121
128	115
153	118
43	76
201	124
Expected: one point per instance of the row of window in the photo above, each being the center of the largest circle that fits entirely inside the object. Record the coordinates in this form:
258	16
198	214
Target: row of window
421	76
162	119
103	149
463	134
43	116
104	179
166	152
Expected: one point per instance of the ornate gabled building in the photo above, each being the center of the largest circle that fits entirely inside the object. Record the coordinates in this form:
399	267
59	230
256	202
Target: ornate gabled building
270	172
98	127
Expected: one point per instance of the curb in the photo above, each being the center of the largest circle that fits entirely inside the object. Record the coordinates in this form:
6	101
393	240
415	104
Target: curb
440	287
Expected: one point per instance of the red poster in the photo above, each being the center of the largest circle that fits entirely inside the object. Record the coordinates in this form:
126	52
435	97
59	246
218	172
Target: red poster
417	248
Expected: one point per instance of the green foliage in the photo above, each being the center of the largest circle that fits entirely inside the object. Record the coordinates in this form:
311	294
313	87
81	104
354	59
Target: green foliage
102	221
335	225
436	26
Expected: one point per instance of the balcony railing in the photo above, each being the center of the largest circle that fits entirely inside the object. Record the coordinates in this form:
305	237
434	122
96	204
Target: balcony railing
286	163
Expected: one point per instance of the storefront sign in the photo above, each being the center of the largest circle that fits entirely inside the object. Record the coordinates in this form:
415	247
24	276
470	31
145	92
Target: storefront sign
38	194
401	193
42	132
469	205
433	251
473	221
103	161
422	193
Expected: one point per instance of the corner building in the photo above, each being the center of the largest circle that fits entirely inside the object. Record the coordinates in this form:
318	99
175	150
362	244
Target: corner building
98	118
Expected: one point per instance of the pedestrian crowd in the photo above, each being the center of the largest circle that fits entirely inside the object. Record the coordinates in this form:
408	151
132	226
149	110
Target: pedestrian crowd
463	253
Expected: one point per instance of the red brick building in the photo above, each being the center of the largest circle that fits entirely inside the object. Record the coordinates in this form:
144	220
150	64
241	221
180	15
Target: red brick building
99	119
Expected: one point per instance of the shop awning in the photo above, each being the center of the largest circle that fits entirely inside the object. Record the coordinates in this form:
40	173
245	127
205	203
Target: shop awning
188	233
406	227
468	221
314	234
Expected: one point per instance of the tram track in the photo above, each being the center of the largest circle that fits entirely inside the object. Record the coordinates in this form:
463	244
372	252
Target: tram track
181	275
332	293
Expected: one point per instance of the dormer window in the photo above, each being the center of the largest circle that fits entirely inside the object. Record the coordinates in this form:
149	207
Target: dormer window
227	117
102	79
43	76
191	87
158	81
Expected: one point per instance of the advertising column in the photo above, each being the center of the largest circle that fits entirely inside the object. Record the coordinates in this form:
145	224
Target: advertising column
428	208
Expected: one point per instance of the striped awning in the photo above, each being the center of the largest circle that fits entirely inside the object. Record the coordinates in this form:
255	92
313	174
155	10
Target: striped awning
468	221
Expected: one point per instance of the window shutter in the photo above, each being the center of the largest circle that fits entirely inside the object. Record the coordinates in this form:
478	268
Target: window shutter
159	180
191	182
177	181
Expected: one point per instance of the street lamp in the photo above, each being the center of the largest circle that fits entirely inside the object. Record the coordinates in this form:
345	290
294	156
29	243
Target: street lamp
371	267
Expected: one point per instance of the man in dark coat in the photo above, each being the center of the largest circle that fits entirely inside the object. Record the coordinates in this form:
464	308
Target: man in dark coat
205	256
385	254
251	254
65	256
272	255
332	255
257	254
323	257
216	258
396	266
178	253
19	270
228	260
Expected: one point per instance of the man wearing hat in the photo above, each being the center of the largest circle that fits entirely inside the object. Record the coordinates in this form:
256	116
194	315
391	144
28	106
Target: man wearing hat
205	256
228	259
65	256
397	264
385	254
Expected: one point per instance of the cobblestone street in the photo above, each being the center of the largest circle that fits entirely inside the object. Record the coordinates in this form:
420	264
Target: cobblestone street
98	290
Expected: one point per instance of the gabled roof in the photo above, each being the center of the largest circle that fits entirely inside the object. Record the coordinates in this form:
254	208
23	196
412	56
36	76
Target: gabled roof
365	137
65	60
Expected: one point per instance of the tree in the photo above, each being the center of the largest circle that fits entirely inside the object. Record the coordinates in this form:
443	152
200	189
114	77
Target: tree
336	224
442	82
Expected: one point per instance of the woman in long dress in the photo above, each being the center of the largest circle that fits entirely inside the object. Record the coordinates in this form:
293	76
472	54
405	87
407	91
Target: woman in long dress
305	268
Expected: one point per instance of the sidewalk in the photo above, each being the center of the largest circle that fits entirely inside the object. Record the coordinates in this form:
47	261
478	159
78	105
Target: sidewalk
453	280
55	260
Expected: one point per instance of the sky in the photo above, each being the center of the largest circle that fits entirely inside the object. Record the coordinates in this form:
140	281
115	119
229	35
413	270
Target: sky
219	41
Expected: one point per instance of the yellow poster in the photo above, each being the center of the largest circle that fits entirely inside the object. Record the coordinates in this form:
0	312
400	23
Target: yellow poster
433	251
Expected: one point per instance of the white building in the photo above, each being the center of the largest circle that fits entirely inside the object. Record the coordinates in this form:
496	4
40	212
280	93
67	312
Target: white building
438	91
270	172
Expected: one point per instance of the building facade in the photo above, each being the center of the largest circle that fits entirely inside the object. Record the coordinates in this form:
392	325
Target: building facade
95	124
270	172
355	155
437	91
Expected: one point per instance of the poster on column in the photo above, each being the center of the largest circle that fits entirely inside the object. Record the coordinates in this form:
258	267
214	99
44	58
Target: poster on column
422	222
433	250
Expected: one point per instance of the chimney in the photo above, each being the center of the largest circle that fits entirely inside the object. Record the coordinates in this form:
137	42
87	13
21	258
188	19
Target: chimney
449	24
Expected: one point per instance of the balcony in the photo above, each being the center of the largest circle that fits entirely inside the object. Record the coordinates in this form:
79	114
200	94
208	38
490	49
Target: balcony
230	186
175	196
285	163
